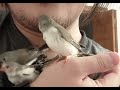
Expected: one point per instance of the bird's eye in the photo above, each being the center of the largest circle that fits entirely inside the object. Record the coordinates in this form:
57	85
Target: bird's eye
44	24
4	59
7	66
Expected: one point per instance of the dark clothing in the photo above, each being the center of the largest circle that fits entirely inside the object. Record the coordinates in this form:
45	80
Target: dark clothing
11	38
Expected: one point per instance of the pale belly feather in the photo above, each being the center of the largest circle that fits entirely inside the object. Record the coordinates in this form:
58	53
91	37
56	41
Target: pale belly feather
59	45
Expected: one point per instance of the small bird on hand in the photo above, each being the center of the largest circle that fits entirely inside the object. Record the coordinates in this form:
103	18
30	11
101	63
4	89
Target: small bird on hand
23	66
17	64
58	39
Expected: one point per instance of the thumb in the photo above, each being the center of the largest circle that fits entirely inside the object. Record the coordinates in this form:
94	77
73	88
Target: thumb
97	63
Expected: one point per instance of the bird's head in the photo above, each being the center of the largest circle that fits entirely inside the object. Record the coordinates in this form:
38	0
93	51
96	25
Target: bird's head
8	67
44	23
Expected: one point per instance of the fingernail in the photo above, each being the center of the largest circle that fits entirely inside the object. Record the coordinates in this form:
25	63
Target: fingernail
115	57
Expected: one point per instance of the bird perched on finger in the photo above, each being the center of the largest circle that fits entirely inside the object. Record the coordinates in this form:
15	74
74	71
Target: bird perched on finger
58	39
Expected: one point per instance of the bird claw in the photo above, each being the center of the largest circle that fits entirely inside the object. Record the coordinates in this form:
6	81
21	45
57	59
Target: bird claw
62	58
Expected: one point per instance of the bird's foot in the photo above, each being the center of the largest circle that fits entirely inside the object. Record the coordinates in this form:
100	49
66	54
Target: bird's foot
65	60
62	58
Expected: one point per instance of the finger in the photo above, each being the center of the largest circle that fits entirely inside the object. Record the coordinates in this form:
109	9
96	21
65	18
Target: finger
94	64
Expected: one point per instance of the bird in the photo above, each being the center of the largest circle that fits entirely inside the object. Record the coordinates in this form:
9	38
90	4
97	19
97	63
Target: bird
58	39
19	62
23	66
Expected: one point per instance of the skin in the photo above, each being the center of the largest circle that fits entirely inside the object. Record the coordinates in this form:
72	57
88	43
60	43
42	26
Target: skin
25	17
64	75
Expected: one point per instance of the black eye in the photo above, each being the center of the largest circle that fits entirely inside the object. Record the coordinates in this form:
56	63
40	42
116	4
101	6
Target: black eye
4	59
7	66
44	24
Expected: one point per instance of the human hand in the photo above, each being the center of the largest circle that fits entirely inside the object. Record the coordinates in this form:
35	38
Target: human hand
74	73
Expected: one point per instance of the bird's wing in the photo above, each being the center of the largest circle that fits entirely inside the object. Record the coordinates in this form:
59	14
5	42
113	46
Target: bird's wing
67	36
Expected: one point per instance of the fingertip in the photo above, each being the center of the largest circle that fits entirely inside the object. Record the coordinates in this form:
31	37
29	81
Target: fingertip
115	57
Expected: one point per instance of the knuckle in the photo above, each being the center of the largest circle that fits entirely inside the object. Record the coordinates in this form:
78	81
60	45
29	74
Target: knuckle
101	63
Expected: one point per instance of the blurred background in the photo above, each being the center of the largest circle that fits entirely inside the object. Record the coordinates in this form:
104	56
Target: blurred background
114	6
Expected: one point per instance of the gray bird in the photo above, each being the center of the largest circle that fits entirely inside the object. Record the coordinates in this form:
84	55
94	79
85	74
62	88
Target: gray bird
17	73
58	39
24	65
16	64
